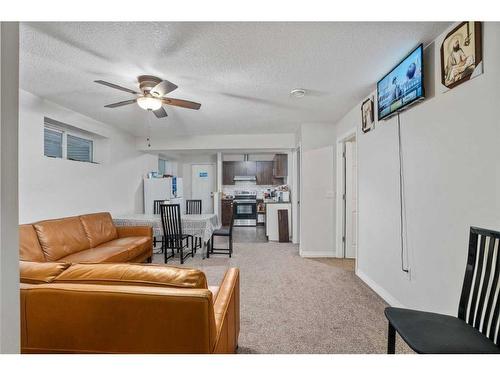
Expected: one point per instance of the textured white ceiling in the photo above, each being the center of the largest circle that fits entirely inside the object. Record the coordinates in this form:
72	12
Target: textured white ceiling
242	73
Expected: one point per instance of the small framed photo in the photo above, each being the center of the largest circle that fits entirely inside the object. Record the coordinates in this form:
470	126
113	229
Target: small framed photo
461	54
367	119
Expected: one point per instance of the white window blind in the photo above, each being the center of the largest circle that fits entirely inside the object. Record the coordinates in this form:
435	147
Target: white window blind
79	149
52	143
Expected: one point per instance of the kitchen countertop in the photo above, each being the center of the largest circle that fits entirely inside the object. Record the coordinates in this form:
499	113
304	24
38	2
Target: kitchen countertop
276	202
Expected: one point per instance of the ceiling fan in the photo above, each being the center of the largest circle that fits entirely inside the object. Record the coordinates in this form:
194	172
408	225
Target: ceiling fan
151	96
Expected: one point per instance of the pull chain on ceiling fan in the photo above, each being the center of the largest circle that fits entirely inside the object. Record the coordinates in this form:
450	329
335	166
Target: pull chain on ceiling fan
151	96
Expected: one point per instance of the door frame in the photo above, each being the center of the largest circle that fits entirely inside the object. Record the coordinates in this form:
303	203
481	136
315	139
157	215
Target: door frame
339	201
294	182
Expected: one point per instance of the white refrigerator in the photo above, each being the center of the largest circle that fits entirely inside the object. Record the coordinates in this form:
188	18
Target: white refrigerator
169	188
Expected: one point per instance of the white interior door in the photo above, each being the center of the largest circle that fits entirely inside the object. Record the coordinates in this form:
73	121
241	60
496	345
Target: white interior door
351	199
202	185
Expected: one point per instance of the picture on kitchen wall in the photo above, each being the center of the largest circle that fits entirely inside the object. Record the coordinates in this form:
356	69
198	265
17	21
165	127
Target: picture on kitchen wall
367	119
461	54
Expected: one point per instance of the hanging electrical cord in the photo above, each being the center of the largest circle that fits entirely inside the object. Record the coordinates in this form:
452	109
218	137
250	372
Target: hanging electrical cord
401	198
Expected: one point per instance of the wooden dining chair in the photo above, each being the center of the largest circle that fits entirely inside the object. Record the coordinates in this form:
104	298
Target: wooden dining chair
476	329
193	207
173	237
222	232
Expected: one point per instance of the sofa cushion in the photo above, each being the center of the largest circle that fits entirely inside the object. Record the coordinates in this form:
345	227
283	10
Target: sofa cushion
134	274
61	237
98	255
40	272
99	228
29	247
134	245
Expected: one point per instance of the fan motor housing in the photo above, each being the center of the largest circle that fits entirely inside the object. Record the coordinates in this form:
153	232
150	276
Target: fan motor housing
146	83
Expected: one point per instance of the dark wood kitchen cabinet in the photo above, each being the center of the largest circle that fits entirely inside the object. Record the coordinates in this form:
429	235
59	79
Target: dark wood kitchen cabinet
264	173
250	168
237	168
228	172
280	165
244	168
226	211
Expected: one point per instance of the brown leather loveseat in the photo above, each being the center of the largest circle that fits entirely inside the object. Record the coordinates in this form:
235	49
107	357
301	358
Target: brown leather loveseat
126	308
89	238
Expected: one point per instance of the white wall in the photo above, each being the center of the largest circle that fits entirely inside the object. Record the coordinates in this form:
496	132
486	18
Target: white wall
451	172
50	187
221	142
9	255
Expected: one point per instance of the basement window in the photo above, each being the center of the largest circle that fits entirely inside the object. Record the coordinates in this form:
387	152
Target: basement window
66	142
79	149
52	143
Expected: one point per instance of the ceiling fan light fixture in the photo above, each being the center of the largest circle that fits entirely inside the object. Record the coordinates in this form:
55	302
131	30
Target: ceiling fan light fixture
149	103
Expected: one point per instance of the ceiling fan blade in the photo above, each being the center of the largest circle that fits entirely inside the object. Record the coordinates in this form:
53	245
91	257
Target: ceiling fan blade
181	103
112	85
163	88
160	112
119	104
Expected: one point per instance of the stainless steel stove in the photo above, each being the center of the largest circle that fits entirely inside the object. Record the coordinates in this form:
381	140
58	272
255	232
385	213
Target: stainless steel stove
245	209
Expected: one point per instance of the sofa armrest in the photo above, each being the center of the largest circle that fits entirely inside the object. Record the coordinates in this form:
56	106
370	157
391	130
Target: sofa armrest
134	231
227	313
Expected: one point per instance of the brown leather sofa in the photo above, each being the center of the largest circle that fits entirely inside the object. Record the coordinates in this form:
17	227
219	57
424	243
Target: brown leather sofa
126	308
89	238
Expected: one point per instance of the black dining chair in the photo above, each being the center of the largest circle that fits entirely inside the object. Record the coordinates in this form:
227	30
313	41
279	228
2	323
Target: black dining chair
476	329
193	207
156	211
172	233
222	232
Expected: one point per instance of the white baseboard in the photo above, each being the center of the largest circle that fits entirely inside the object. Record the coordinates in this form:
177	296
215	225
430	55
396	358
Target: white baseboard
384	294
318	254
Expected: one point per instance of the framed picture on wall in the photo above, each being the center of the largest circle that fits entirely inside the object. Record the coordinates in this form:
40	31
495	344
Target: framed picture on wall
461	54
367	119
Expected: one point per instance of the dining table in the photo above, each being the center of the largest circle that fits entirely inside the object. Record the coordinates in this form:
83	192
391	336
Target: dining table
197	225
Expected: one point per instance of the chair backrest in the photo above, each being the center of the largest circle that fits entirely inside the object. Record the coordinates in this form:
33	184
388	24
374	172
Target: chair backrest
193	206
480	300
171	223
156	206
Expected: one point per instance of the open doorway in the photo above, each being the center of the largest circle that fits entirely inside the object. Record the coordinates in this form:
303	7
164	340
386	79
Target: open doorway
347	197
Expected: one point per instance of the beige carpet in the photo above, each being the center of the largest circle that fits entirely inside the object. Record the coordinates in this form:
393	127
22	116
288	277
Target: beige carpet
294	305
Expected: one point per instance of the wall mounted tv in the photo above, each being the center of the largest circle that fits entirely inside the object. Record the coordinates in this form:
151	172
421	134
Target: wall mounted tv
402	86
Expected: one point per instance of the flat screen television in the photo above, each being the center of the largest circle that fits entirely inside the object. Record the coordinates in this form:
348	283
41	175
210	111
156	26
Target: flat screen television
402	86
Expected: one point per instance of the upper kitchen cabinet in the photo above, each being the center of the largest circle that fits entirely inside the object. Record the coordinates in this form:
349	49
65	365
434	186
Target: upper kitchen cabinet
228	169
280	166
250	168
240	168
264	173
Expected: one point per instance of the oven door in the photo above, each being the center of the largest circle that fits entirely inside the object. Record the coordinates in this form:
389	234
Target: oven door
245	213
